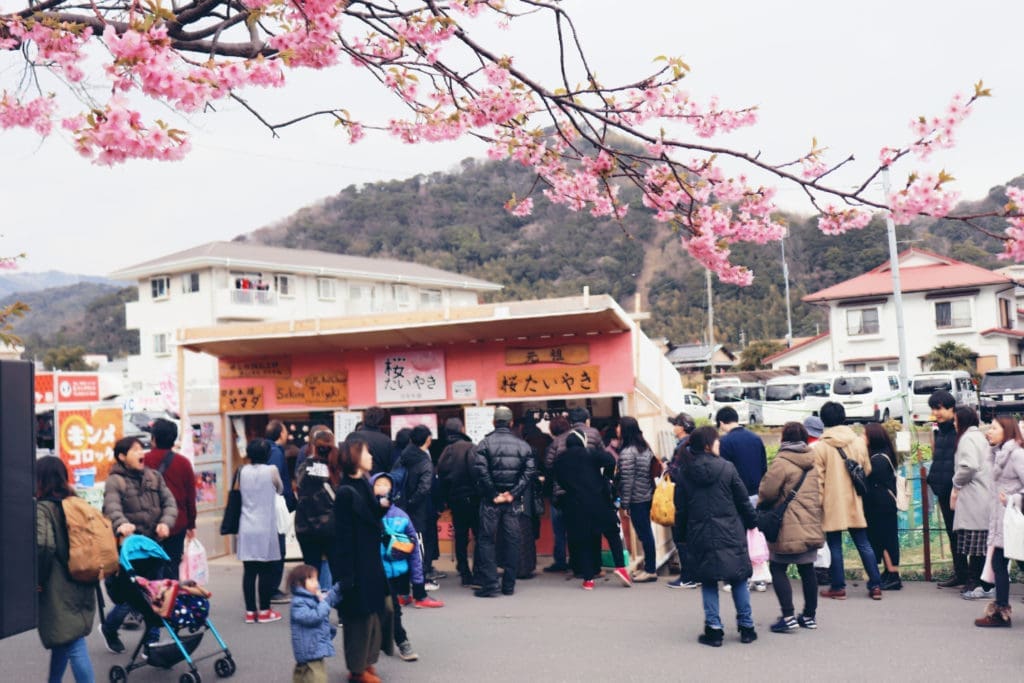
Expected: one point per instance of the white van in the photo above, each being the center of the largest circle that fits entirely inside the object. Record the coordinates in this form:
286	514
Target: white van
736	396
793	398
868	396
924	384
716	382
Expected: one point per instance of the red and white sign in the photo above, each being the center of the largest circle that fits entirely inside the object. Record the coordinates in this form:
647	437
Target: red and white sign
67	387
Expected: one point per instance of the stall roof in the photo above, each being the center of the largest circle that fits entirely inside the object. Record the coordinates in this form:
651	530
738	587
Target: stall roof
507	321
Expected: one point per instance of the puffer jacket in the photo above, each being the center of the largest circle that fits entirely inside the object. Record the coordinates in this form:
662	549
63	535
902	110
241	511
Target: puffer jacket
397	563
801	524
843	508
940	475
635	483
973	482
504	462
558	446
455	469
67	607
314	504
1008	478
713	507
139	497
312	630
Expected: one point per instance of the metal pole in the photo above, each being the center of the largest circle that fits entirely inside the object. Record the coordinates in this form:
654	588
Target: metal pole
711	314
789	313
897	293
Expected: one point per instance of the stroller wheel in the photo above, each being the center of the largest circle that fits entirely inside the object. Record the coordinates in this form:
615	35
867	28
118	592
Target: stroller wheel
224	667
117	674
190	678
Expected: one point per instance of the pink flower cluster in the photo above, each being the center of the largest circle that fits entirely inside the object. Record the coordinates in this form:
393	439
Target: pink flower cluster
61	45
35	114
836	221
519	208
117	133
1014	245
923	195
938	132
425	31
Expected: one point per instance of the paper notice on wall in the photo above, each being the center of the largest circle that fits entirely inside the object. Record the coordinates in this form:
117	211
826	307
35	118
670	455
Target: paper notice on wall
479	422
345	423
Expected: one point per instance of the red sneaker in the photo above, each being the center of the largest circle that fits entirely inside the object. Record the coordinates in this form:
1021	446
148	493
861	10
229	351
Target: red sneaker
250	617
588	585
427	602
404	600
268	615
624	576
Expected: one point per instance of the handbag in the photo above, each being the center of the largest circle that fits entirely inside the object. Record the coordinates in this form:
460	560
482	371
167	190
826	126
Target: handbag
1013	531
282	516
663	503
770	521
194	566
232	509
902	495
656	467
857	475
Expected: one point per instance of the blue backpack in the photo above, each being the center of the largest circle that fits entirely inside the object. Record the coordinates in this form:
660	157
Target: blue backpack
398	478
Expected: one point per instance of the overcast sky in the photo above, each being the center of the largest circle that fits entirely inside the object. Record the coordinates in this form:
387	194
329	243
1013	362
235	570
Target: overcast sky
851	74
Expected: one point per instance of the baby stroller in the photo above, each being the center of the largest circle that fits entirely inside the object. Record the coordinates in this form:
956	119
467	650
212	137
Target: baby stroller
181	610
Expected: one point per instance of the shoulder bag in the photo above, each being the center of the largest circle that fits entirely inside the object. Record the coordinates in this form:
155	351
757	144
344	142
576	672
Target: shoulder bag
232	509
770	521
902	495
857	475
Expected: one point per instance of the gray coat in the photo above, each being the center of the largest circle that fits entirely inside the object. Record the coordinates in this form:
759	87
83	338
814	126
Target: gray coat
257	529
972	479
1008	478
635	483
139	497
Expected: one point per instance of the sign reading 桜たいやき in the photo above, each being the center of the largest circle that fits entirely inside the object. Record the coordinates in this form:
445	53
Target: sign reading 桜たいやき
410	376
582	379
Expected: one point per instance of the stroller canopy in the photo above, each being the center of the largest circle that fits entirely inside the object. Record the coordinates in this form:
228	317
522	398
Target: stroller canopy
137	547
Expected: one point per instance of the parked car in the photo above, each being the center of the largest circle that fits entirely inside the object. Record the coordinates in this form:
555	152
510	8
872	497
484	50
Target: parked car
745	398
1002	393
696	407
924	384
868	396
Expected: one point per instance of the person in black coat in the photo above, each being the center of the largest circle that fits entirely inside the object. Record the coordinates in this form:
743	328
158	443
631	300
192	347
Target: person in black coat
940	476
356	562
713	506
417	488
880	505
458	492
377	441
586	502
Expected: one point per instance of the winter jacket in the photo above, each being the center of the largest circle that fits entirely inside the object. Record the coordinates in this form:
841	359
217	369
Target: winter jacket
380	447
558	446
1008	478
314	499
745	450
398	526
278	460
583	473
139	497
843	508
880	498
355	555
801	524
504	462
455	469
312	631
635	483
940	476
713	506
67	608
181	480
973	481
419	478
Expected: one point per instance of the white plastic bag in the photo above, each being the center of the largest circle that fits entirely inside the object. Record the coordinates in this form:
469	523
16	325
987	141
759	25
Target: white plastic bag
193	563
824	559
283	517
1013	531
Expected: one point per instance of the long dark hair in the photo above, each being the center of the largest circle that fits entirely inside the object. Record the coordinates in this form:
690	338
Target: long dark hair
965	419
631	434
344	461
52	479
701	441
879	441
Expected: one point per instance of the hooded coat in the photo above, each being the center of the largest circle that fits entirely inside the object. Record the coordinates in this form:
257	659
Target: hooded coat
67	607
713	507
801	524
972	480
1008	478
843	508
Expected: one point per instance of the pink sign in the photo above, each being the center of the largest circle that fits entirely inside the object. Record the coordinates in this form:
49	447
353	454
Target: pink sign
399	422
410	376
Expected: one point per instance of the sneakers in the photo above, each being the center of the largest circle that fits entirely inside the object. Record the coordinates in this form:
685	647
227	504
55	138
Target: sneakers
891	581
427	602
875	593
675	583
250	617
623	576
834	593
727	587
952	582
588	585
979	593
785	625
405	652
691	584
267	616
112	642
435	576
747	634
431	586
644	576
711	636
556	568
807	622
279	598
760	586
404	600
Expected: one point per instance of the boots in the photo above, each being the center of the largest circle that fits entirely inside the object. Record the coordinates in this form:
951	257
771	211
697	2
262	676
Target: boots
995	616
711	636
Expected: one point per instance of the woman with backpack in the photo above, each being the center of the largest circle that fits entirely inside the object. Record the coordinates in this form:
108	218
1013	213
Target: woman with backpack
314	509
67	607
880	505
636	488
792	472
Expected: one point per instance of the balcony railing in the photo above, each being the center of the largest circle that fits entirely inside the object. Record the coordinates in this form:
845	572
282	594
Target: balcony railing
253	297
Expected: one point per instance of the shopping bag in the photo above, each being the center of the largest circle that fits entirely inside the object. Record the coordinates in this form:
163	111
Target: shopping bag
824	559
284	517
193	563
762	574
757	546
1013	532
663	504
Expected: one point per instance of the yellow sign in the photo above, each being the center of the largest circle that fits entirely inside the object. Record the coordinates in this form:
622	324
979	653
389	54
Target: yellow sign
327	388
567	354
515	383
267	366
290	391
241	398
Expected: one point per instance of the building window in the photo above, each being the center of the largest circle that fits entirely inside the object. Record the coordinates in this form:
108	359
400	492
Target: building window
160	287
401	294
1005	320
283	285
248	281
160	344
952	314
861	321
1014	360
325	288
430	298
190	283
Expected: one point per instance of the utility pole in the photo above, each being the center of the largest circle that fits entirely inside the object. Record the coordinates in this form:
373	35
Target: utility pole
785	275
897	292
711	312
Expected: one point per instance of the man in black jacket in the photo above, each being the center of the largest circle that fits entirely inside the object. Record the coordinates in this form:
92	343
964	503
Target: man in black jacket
419	477
458	491
940	476
503	469
378	442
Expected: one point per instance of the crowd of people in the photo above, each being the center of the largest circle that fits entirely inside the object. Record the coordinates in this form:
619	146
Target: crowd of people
366	511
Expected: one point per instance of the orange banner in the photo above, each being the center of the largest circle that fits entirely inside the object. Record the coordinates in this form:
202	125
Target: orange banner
234	399
548	381
86	441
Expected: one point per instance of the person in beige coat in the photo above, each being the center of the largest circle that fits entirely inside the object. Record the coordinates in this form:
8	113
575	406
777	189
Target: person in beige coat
842	507
801	533
972	501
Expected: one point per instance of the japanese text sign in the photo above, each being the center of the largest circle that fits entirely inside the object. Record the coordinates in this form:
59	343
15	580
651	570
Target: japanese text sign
548	381
267	366
241	398
568	354
400	422
321	388
87	439
66	388
410	376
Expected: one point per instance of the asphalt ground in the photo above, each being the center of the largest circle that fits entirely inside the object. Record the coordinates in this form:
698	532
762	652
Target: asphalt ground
551	630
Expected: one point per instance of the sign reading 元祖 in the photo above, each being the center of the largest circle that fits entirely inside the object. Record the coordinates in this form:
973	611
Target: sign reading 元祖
566	354
582	379
410	376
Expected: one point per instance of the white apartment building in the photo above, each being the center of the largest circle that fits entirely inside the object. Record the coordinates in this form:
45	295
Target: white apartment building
224	282
943	300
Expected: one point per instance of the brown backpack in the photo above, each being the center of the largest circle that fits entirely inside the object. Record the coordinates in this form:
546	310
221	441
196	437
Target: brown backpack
92	548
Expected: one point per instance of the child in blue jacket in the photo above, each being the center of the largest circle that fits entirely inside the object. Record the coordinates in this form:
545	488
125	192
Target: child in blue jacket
403	562
312	632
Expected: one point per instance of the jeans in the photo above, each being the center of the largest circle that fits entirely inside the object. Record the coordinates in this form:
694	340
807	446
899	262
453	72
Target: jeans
76	652
867	557
640	516
399	586
558	530
492	517
740	598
